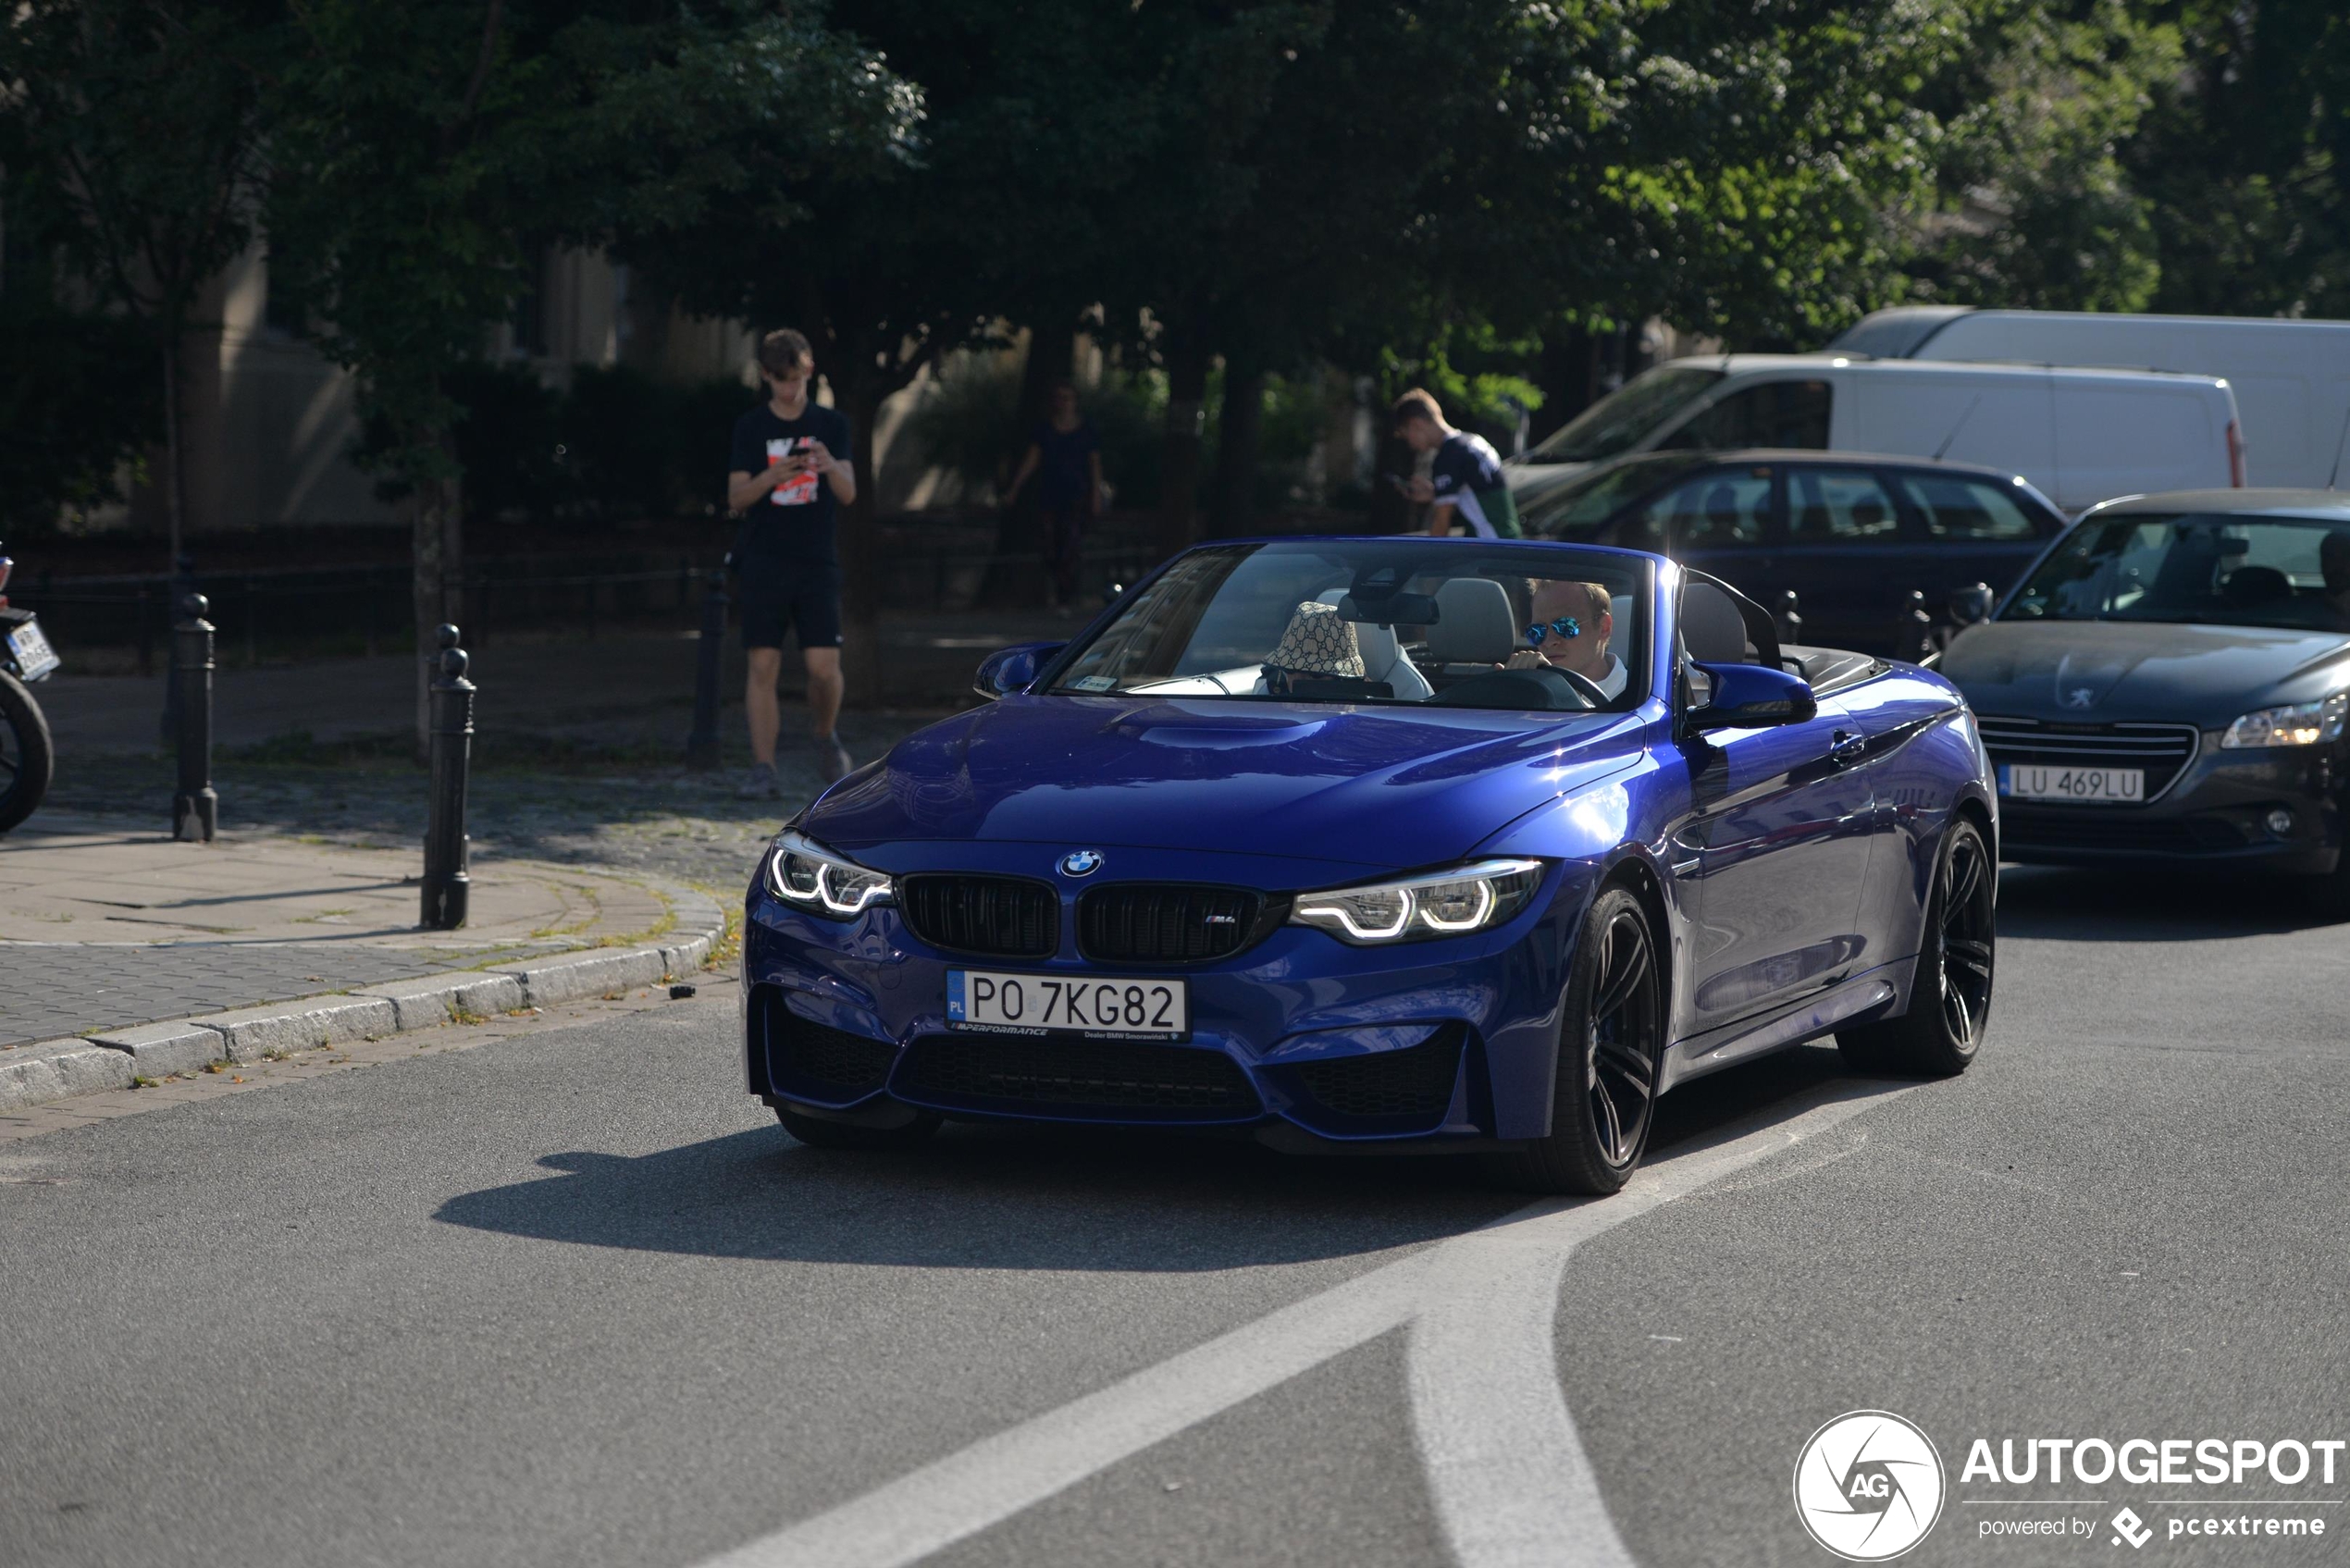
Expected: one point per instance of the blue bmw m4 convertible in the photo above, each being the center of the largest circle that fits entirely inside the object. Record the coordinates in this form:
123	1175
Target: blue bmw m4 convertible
1383	845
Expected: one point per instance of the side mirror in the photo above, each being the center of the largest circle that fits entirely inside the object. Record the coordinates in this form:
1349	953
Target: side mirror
1009	669
1971	606
1748	697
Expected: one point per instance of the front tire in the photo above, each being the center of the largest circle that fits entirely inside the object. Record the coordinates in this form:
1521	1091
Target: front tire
1605	1099
818	1133
1951	995
26	756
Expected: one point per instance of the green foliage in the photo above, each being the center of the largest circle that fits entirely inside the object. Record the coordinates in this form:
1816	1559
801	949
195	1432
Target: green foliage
77	403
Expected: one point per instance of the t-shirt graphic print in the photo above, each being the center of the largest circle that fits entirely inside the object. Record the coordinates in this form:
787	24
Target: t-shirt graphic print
800	489
1467	473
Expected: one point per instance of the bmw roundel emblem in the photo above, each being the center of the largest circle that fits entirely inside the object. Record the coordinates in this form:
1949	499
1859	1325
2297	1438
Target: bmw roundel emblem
1081	863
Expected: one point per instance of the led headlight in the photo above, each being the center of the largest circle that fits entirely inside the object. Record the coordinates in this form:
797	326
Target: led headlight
820	881
1448	903
2297	724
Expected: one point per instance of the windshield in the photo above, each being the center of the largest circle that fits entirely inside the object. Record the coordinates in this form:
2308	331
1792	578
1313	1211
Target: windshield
1617	420
1434	622
1589	499
2231	570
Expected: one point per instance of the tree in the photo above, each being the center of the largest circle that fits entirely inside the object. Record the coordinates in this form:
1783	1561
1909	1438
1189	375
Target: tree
130	132
422	154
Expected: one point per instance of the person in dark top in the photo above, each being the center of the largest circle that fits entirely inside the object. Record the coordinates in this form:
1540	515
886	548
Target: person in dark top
1065	453
789	475
1464	480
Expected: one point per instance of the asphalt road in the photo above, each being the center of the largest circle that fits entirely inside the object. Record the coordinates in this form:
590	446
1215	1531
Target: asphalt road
570	1298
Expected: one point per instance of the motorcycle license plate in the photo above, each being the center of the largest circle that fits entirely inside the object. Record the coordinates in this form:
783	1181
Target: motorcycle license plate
994	1003
33	652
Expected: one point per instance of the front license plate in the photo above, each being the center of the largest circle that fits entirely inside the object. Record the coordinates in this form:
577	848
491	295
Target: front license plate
2021	782
33	652
1035	1003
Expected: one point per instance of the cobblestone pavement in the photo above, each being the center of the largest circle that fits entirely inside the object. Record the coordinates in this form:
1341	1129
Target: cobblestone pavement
49	990
658	820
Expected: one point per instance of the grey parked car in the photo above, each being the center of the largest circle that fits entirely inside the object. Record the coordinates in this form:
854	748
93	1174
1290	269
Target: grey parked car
2170	681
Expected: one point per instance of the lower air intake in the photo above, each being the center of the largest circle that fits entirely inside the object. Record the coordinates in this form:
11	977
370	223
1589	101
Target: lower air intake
1077	1077
818	1061
1414	1084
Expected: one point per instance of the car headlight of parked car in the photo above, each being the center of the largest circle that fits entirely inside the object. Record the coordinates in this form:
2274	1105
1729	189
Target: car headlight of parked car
1420	908
2296	723
820	881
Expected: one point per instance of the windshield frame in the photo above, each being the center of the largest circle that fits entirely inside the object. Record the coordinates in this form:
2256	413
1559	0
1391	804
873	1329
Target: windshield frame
2097	517
1702	381
1542	557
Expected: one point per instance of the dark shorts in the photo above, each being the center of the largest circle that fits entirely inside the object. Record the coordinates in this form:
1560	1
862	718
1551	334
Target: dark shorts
777	596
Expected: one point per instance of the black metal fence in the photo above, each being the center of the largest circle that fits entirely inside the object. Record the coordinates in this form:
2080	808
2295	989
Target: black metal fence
368	608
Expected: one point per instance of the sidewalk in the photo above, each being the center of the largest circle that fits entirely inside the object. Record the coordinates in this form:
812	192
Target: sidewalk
103	928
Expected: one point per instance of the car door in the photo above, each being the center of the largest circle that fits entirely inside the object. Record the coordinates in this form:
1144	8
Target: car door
1777	842
1721	521
1975	530
1847	553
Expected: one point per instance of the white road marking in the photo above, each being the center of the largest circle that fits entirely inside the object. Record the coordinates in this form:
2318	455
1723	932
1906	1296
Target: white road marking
1511	1484
1509	1476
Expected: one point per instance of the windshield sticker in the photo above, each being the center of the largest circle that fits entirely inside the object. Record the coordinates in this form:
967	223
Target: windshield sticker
1093	683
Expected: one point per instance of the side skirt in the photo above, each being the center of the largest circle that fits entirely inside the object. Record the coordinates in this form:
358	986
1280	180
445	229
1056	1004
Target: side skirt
1873	993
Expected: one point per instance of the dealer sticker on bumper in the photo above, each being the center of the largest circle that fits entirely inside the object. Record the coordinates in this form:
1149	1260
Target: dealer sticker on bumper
996	1003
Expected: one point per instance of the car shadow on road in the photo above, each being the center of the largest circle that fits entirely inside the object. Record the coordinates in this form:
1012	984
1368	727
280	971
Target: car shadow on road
1024	1197
2189	904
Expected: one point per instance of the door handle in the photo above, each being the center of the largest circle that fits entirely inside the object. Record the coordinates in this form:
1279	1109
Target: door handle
1846	746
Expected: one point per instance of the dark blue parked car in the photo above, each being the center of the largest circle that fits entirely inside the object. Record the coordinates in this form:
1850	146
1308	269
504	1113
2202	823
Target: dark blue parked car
1851	534
1458	845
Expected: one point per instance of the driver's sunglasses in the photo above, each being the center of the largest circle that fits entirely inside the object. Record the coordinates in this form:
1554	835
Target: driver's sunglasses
1565	627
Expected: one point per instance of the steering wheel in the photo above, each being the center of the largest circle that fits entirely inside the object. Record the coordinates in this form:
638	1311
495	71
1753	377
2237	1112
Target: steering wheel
1584	687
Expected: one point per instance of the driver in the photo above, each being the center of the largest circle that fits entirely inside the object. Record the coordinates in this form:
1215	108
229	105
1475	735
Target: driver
2333	561
1572	624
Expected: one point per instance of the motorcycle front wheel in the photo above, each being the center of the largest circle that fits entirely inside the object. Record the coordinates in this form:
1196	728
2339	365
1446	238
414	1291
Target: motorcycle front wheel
25	755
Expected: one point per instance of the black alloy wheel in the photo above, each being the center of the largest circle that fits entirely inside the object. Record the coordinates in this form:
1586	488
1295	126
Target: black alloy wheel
1950	994
1605	1101
24	753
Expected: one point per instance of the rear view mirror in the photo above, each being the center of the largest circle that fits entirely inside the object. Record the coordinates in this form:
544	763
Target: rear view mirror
1008	670
1971	606
1390	610
1749	696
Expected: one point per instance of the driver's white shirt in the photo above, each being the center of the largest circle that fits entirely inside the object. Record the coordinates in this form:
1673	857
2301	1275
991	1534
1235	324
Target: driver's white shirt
1612	684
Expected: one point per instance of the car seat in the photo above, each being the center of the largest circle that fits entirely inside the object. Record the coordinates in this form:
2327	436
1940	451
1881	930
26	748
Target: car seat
2249	587
1474	625
1382	653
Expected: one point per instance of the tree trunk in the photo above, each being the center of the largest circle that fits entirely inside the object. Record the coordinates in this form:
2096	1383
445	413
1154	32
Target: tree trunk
175	482
1568	373
1052	343
1240	429
429	526
1178	468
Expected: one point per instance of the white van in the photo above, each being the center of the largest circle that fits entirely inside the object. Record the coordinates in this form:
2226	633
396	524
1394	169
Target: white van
2290	378
2079	435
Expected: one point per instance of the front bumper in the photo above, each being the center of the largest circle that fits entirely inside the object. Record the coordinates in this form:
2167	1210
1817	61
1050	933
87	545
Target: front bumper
2215	813
1301	1040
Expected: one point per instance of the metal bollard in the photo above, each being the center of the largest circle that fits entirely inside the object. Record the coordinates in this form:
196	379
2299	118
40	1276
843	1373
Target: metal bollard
1789	619
195	810
446	884
701	746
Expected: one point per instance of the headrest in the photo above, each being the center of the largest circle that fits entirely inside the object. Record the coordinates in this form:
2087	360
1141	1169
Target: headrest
1474	623
1711	628
1317	642
2249	585
1377	643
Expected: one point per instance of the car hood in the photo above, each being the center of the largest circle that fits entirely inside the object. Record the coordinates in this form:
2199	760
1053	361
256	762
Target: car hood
1530	482
2093	671
1356	788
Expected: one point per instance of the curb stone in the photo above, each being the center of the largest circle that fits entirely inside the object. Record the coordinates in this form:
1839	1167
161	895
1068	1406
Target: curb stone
57	1069
31	1075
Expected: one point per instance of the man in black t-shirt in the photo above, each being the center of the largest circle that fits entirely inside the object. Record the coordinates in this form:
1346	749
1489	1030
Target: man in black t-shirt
790	476
1465	481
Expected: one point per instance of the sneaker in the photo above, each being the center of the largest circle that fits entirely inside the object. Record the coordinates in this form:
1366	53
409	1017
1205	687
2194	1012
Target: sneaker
761	785
832	758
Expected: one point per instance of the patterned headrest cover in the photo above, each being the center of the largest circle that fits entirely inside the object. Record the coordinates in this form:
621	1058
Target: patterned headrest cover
1318	642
